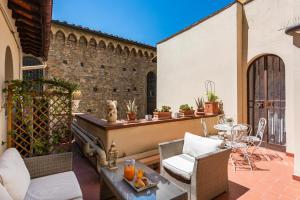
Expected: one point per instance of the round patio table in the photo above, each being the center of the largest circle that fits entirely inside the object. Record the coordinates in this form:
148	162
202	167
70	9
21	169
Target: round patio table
225	129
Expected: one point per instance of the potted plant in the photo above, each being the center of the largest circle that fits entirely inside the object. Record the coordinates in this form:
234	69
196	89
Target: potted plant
200	106
186	111
163	113
131	110
212	104
76	98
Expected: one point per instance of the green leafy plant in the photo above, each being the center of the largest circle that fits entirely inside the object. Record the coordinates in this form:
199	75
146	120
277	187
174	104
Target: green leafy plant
164	109
185	107
131	106
212	97
25	94
76	95
200	103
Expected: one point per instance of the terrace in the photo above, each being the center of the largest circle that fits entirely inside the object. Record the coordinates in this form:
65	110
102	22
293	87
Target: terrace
50	150
271	178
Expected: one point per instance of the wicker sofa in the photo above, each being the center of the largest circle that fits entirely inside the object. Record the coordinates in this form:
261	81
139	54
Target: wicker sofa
47	177
208	176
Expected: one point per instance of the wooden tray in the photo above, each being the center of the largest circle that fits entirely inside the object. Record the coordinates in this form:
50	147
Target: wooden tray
150	185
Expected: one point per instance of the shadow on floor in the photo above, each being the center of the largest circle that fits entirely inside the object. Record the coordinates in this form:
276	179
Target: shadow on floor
87	176
235	191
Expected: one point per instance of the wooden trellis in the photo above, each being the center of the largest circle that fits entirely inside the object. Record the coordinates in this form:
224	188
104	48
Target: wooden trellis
39	121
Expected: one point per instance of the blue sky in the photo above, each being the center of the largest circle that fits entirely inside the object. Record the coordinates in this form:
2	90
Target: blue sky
146	21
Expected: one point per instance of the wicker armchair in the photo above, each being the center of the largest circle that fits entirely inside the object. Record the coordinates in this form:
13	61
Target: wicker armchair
209	177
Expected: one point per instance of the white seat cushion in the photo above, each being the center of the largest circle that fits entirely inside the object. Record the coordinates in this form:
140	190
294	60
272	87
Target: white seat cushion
181	165
14	174
4	194
195	145
60	186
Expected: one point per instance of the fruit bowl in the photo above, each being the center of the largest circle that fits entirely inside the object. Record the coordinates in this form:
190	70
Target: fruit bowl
141	184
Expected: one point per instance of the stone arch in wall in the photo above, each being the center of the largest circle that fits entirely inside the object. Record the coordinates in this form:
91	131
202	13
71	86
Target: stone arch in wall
60	37
72	39
102	44
133	52
118	49
82	41
146	54
92	43
151	55
140	53
151	92
126	51
110	47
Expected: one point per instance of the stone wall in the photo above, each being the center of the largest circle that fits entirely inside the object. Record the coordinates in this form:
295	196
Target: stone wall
106	68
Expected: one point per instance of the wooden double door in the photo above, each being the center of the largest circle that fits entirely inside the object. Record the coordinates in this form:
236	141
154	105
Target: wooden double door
266	98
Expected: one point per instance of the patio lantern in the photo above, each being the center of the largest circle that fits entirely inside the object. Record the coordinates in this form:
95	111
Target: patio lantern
112	157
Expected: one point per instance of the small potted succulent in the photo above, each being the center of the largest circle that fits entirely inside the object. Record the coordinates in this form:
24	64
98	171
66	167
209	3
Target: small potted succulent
76	98
186	111
163	113
200	106
131	110
212	104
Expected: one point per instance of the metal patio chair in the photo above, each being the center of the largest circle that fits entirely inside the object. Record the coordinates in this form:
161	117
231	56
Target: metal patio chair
236	143
257	140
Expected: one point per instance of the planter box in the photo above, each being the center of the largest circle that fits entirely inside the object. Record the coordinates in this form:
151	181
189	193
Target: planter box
211	108
162	115
189	113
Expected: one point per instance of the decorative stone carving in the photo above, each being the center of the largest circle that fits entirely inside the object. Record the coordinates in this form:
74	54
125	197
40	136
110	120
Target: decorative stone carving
111	109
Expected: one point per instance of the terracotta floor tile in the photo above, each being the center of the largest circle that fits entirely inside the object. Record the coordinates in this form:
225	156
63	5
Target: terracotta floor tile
270	179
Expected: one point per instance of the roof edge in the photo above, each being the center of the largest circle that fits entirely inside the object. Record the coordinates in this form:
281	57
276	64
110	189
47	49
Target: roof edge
198	22
99	33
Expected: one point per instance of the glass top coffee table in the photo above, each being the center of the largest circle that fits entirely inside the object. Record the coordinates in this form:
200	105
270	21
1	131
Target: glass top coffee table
114	187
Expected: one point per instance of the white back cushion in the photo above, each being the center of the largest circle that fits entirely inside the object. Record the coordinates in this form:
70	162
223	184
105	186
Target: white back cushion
195	145
14	174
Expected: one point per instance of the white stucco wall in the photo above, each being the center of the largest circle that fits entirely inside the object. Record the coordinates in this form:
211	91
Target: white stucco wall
6	40
267	20
208	51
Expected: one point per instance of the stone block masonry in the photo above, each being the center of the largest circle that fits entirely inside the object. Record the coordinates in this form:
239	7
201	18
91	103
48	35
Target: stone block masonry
105	66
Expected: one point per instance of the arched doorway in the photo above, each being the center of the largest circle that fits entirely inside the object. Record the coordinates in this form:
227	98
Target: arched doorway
9	67
151	92
266	98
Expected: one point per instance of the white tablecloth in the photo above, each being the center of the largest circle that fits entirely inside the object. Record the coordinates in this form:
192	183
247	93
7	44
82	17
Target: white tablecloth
226	127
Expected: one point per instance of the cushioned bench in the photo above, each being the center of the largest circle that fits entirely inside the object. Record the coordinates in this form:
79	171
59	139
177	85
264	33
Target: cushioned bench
38	178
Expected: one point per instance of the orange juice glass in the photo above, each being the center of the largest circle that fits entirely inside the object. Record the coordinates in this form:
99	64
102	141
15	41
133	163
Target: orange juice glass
129	169
140	173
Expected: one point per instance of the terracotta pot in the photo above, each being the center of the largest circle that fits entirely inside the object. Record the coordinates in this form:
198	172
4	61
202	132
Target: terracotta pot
187	113
200	112
162	115
131	116
211	108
